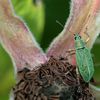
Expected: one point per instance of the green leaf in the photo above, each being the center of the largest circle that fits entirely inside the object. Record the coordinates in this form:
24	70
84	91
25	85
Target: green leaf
7	78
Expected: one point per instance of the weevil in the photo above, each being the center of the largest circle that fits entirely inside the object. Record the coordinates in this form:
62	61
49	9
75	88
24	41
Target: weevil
83	58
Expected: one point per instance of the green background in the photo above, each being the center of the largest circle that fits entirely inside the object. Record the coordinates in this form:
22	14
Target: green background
41	19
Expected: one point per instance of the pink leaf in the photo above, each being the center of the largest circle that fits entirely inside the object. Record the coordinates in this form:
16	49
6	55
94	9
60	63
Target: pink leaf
18	40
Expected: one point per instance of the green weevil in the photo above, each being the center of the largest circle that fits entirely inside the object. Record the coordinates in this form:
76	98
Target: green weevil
83	58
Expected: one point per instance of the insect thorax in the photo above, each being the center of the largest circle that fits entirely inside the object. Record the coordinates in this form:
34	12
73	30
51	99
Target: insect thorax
79	43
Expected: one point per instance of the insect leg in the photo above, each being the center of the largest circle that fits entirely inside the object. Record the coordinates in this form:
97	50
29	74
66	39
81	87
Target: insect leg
78	75
71	52
79	89
88	37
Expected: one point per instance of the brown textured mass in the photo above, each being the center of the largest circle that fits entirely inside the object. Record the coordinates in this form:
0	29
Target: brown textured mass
54	80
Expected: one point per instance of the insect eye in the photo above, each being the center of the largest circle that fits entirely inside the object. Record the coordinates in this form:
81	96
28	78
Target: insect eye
80	37
75	37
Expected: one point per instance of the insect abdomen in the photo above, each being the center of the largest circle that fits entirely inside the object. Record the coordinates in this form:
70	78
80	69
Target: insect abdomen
85	63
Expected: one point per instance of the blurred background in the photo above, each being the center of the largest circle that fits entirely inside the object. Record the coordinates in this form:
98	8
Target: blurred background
40	17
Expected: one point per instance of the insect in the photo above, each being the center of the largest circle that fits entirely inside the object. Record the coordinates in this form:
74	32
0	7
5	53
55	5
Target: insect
83	58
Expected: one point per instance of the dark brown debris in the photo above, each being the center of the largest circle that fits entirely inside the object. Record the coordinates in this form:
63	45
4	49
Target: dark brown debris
54	80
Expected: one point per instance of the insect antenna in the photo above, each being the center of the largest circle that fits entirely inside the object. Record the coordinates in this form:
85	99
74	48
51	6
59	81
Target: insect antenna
59	23
63	26
71	32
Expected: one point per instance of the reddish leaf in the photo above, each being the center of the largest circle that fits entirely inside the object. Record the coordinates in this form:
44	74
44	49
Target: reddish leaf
17	39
